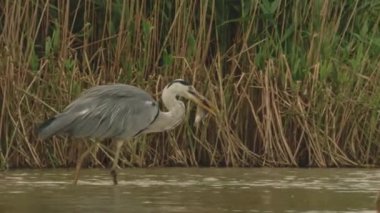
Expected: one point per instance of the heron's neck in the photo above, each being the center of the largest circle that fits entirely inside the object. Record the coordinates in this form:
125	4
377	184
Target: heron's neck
170	119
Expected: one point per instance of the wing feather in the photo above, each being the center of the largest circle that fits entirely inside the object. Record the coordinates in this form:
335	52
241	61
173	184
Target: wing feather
107	111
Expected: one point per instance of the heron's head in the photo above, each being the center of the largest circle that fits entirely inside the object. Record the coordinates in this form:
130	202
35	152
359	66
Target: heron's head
182	88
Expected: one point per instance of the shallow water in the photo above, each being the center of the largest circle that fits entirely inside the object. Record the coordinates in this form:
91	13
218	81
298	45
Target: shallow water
190	190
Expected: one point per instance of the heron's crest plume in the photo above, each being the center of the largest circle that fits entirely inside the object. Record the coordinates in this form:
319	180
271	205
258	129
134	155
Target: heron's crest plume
181	81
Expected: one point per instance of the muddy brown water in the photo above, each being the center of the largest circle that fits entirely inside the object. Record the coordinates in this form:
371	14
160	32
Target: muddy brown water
191	190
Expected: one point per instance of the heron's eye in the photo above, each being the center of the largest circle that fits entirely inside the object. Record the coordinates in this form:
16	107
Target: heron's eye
177	97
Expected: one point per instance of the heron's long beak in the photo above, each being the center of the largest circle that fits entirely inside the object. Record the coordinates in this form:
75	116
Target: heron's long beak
202	101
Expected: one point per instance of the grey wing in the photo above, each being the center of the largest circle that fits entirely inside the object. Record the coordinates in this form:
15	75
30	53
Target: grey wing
108	111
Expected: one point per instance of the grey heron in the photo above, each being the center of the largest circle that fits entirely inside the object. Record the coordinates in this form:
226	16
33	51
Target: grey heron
121	112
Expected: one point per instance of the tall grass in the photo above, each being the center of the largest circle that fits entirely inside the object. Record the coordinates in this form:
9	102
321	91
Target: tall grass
297	83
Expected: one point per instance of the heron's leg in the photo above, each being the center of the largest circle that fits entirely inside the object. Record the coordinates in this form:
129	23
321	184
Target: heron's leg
119	144
80	160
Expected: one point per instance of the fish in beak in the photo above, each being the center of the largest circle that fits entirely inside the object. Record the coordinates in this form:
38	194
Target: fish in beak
201	101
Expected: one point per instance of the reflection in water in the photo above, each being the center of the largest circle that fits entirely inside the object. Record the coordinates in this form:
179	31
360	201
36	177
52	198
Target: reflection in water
378	203
191	190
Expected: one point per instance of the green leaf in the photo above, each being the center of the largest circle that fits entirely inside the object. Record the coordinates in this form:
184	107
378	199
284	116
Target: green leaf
146	27
167	58
69	64
56	38
48	46
191	42
273	6
34	62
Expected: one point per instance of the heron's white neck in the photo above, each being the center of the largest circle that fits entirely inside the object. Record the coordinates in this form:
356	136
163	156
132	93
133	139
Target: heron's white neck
173	117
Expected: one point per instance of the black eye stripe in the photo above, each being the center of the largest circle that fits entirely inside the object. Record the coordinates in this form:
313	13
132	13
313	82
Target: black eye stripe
179	81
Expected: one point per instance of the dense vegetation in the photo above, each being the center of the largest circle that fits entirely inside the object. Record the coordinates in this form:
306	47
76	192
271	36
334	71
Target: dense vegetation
297	82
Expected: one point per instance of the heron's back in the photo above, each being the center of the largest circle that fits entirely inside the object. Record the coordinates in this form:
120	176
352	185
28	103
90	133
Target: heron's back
106	111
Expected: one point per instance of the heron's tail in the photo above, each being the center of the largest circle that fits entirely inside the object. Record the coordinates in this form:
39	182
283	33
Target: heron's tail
60	124
44	131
